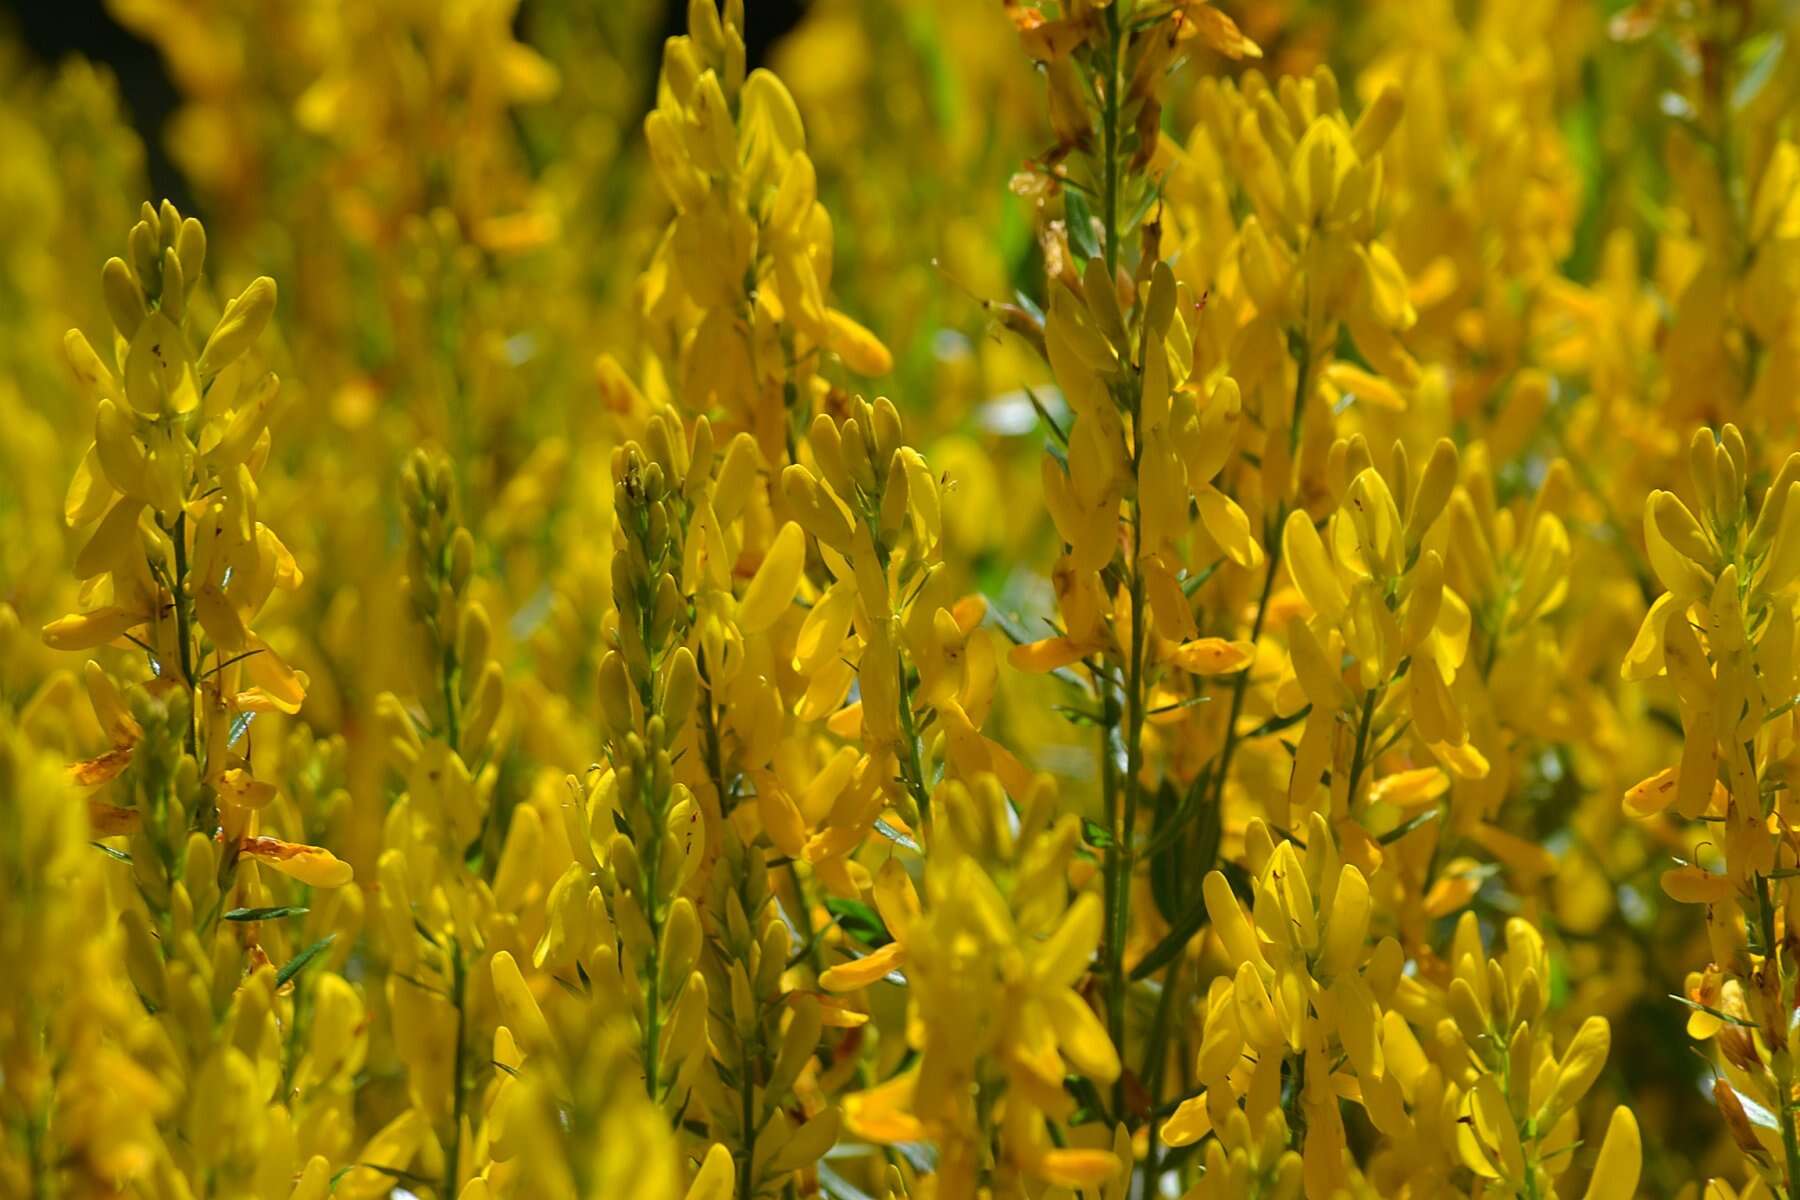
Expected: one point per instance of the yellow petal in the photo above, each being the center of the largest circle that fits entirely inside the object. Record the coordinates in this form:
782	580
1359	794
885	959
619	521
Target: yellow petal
84	631
1410	789
1580	1066
219	617
1065	954
780	817
861	972
1229	527
1312	570
772	588
861	350
1048	655
519	1009
1081	1036
1695	885
882	1114
1347	927
115	534
714	1179
1188	1123
1621	1160
277	686
89	492
1073	1168
245	790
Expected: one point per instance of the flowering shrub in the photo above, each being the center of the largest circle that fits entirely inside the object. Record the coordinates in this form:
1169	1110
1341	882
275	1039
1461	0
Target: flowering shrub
1020	600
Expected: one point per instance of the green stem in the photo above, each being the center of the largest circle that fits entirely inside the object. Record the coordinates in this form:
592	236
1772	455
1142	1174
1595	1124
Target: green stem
37	1128
1241	684
747	1164
802	915
1790	1142
453	1164
1153	1068
1111	951
1765	906
1109	136
1359	760
709	730
1272	535
1119	821
653	985
1122	849
451	672
913	770
184	629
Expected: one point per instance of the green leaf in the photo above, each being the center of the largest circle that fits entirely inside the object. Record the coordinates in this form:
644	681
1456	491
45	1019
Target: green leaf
1197	580
1080	225
1713	1012
1189	702
1209	831
895	835
1757	59
837	1187
1417	822
1183	846
1043	413
274	913
1163	852
1095	834
860	921
1174	942
1277	724
404	1176
300	961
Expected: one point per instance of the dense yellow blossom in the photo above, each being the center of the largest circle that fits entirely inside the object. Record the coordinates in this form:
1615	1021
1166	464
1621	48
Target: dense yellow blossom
1011	600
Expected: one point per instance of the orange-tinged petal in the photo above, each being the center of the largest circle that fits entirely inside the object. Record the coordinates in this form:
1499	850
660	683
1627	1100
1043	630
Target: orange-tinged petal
1220	32
1451	892
109	820
311	865
96	771
1213	656
969	610
243	789
1650	796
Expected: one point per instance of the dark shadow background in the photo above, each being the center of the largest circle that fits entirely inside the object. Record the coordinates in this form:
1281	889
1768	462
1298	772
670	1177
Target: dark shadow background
53	29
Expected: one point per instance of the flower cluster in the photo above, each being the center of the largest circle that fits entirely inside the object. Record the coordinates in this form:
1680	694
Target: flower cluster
1174	697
